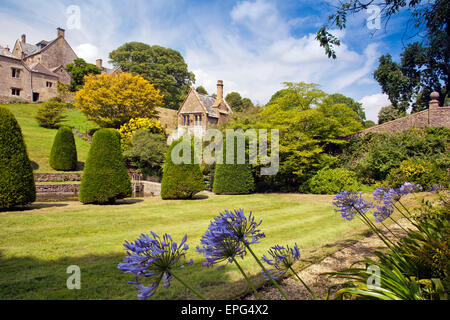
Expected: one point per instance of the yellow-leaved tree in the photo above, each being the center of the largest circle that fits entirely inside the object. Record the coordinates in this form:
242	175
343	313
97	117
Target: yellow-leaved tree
112	100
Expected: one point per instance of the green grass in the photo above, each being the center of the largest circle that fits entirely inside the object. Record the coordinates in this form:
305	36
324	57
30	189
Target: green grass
39	244
39	140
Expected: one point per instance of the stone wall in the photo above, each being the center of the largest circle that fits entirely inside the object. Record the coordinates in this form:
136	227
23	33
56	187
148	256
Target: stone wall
58	188
57	177
434	116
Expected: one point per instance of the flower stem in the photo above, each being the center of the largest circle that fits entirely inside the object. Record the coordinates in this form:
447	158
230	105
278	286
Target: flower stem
247	279
266	272
188	286
304	284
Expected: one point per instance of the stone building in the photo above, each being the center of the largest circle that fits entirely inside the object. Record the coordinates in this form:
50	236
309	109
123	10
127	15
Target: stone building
30	72
199	112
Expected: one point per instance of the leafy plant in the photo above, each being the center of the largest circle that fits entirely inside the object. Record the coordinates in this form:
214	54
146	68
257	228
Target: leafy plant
16	173
63	155
330	181
50	114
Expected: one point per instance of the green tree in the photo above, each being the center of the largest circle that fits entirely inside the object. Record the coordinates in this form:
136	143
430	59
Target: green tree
338	98
147	152
105	177
63	156
389	113
78	70
163	67
50	114
201	90
181	180
425	64
234	100
16	173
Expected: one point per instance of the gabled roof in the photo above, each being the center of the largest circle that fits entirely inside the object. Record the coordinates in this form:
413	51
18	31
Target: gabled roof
6	53
208	102
37	67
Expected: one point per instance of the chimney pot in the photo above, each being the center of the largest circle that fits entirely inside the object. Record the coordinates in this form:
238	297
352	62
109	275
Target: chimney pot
99	63
24	38
60	32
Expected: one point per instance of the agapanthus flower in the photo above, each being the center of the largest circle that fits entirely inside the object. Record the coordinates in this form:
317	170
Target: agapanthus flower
435	187
410	187
227	236
282	259
350	204
154	258
383	212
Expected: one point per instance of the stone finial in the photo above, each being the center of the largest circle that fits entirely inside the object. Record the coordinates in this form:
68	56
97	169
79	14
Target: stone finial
434	102
24	38
434	95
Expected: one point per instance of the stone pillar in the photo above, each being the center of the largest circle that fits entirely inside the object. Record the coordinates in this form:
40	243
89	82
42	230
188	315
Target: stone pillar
433	105
99	63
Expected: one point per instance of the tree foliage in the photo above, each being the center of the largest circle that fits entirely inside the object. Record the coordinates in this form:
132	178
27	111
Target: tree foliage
147	152
201	90
163	67
63	156
16	173
112	100
389	113
311	127
105	177
78	70
237	103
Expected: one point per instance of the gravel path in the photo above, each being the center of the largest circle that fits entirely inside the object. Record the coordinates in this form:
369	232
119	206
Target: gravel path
340	260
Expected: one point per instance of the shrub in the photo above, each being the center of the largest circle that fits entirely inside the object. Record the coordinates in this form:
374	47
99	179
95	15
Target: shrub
147	152
63	156
419	171
16	173
50	114
233	178
128	130
181	181
105	177
330	181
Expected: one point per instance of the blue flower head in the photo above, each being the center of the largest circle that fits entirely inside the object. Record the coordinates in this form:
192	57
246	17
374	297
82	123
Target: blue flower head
227	235
282	259
153	257
350	203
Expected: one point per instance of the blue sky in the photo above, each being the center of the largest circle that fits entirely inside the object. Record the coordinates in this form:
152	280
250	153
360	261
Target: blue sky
252	45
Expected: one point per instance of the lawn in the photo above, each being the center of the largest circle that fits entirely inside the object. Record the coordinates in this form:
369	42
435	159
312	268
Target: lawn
39	140
37	245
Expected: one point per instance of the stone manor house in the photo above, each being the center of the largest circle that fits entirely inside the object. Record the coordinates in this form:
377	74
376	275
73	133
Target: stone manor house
30	72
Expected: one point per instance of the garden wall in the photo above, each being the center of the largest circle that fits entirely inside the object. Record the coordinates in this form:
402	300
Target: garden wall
434	116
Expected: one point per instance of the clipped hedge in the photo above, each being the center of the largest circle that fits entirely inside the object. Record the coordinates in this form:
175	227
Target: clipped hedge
181	181
332	181
63	156
16	173
233	178
105	177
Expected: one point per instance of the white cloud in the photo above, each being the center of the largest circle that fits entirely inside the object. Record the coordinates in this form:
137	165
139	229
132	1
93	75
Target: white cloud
87	51
372	105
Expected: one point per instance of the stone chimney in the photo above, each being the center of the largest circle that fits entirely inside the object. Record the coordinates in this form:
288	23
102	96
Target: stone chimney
24	38
219	90
99	63
60	32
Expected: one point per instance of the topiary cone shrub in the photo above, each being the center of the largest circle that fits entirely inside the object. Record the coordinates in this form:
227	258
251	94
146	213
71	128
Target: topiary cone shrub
233	178
63	156
105	177
16	173
181	181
